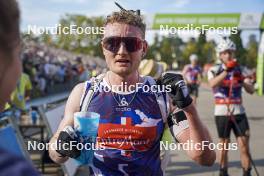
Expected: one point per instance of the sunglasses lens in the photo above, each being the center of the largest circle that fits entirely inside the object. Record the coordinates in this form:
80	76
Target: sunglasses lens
112	43
132	44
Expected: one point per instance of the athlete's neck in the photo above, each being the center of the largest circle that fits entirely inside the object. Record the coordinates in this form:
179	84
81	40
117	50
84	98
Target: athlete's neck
130	79
193	65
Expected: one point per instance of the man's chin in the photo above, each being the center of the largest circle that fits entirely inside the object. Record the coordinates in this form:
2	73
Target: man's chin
122	71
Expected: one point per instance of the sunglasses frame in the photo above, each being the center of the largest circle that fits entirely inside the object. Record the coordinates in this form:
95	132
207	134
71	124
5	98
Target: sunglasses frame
122	41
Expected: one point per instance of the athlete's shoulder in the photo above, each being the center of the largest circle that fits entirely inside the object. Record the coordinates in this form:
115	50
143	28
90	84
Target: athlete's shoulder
78	88
213	71
74	98
215	67
94	80
188	66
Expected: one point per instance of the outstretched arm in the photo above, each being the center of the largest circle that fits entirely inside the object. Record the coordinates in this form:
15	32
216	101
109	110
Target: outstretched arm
71	107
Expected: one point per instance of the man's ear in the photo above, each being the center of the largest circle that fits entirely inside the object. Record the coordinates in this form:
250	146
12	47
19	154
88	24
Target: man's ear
102	48
145	48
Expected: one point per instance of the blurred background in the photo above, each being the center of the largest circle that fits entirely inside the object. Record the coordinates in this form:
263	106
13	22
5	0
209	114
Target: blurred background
172	48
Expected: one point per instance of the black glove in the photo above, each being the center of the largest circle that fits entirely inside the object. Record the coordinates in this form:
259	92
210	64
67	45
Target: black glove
68	136
179	91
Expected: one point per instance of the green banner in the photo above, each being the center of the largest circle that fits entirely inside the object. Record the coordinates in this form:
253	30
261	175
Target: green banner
260	66
196	20
262	23
205	21
260	70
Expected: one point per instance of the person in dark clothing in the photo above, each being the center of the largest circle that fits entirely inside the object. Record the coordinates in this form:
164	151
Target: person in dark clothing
10	70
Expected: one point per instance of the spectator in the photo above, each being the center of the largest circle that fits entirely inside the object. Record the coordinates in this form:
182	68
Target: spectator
21	94
10	69
60	73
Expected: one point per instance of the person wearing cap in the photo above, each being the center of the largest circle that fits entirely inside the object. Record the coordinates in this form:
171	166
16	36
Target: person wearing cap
149	67
227	80
192	74
132	120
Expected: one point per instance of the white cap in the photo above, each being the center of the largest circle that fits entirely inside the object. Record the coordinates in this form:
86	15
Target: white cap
225	44
193	57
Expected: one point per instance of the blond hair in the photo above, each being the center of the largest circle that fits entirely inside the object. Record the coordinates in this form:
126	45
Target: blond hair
127	17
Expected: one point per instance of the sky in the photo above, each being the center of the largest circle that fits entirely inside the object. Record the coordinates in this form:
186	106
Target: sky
48	12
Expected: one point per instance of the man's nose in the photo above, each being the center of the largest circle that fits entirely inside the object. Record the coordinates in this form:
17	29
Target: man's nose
122	49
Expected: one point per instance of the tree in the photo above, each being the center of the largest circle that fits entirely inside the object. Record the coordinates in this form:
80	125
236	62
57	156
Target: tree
190	48
153	49
252	52
240	53
209	54
166	50
85	37
202	53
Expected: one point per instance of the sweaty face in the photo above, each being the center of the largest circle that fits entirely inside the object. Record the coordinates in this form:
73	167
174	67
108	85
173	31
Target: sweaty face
122	61
226	55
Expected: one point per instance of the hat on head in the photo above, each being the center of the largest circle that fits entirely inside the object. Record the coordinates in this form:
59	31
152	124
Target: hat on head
149	67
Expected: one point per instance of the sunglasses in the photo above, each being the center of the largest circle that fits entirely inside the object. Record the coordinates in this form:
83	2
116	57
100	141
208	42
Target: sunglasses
113	44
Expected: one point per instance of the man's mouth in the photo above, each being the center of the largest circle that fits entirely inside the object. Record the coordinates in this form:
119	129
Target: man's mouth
122	61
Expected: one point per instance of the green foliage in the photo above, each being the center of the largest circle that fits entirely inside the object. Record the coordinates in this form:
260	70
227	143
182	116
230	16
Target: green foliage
84	42
167	49
252	52
240	53
190	48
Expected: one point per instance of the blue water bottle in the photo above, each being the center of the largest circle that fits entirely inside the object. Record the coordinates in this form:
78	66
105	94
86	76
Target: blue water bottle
86	126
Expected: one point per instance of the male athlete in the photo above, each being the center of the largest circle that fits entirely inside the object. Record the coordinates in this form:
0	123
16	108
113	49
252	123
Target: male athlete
227	80
135	119
192	74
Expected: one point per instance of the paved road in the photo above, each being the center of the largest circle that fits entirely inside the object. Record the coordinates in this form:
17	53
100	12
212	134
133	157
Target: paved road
181	165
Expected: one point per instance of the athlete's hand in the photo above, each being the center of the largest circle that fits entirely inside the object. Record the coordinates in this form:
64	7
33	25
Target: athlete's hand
179	91
66	143
230	65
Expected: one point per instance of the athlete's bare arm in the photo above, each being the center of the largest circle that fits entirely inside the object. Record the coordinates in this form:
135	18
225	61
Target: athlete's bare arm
249	87
72	105
214	82
184	72
197	133
200	77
